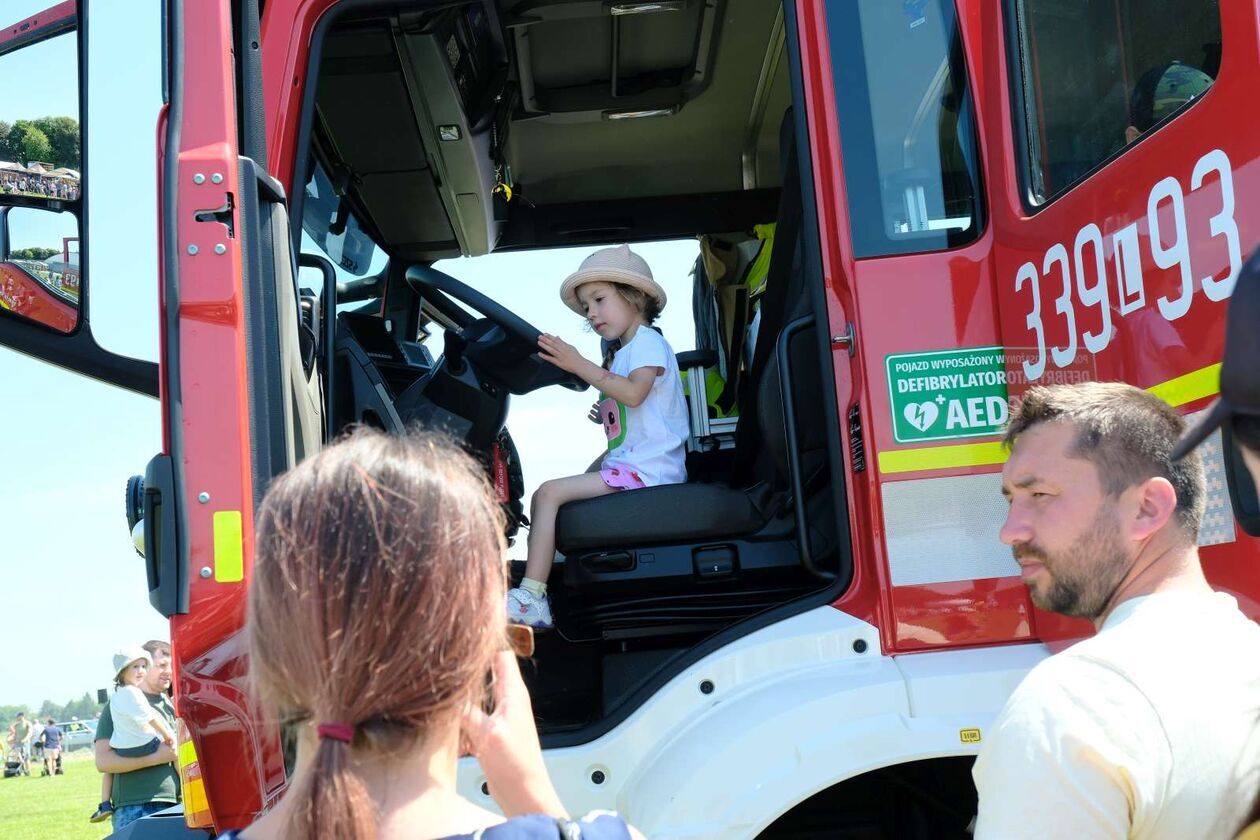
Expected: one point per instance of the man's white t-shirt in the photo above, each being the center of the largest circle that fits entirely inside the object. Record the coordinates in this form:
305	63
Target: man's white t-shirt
1150	729
130	710
649	438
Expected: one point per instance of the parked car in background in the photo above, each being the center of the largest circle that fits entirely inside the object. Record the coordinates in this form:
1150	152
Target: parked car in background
77	734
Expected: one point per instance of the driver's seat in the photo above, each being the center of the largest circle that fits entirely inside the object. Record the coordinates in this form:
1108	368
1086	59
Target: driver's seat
737	541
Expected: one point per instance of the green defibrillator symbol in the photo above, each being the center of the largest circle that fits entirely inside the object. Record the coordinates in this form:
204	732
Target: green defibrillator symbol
947	394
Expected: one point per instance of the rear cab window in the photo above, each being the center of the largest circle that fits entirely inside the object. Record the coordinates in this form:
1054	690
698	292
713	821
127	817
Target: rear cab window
1092	79
907	126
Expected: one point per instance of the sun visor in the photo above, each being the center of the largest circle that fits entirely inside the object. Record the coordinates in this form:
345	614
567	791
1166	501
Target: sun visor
459	67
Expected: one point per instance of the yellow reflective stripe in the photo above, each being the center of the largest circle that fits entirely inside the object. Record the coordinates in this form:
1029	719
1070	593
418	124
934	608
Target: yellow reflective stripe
187	753
196	805
229	562
1193	386
941	457
1176	392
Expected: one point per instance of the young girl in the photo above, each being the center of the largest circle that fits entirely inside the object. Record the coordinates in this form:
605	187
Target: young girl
138	727
641	407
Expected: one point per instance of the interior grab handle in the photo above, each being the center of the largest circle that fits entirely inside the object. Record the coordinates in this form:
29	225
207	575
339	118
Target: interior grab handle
786	390
328	324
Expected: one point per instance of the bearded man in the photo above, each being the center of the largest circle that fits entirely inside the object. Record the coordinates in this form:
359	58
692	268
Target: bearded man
1148	728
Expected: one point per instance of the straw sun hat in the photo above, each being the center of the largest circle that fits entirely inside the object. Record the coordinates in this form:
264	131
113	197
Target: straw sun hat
612	265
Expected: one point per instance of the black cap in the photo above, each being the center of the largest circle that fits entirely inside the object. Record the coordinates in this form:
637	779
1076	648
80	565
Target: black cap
1240	365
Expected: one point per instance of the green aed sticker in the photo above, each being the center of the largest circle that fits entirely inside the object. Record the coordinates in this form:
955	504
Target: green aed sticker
947	394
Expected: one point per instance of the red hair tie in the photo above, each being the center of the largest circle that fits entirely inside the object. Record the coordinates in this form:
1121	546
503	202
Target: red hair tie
336	731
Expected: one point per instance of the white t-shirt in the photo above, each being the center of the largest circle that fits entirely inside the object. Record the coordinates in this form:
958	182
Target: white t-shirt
649	438
1150	729
130	710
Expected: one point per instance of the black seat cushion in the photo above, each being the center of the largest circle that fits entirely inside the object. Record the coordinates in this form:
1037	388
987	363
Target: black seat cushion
655	516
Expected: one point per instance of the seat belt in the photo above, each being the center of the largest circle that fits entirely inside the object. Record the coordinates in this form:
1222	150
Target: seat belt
747	299
773	308
774	300
735	352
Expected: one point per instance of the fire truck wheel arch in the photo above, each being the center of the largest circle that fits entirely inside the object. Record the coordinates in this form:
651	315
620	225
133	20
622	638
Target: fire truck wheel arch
791	710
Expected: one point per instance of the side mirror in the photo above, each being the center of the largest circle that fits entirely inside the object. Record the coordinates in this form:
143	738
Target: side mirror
41	164
39	266
45	280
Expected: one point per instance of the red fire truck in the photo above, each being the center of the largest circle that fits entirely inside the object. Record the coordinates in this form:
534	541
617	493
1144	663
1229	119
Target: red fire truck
907	213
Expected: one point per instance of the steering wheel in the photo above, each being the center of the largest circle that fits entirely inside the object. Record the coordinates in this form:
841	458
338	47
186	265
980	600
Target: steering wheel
522	348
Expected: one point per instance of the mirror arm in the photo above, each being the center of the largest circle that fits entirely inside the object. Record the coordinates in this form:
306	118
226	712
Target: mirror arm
45	27
81	354
357	290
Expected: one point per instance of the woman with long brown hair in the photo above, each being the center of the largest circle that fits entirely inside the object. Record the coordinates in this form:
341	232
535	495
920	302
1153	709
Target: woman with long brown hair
375	618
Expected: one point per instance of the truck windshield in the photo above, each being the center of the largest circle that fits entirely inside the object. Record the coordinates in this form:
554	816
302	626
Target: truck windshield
333	229
906	125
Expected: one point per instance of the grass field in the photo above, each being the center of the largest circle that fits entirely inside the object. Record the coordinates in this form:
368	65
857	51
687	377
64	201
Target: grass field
55	807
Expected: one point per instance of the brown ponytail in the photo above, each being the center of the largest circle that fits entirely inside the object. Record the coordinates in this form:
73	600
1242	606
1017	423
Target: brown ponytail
376	602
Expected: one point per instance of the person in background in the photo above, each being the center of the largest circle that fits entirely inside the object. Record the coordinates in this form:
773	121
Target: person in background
37	740
141	785
1147	729
20	734
375	622
51	737
1238	408
1160	92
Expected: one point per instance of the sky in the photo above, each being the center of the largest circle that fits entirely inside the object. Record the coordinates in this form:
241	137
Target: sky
67	566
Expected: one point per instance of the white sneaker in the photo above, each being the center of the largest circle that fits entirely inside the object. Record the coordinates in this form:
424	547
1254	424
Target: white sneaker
524	608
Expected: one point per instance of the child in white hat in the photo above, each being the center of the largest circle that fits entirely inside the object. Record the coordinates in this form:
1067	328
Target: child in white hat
138	727
641	406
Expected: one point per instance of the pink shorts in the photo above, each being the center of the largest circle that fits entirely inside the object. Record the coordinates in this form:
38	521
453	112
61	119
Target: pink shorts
621	478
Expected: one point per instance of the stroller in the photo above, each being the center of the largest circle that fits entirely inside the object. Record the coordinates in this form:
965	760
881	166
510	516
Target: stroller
16	763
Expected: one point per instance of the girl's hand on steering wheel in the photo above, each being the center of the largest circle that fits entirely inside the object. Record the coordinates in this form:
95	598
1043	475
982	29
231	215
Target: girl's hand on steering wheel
560	353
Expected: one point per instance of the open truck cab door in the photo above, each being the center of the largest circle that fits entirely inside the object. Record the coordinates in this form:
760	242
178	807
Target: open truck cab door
232	326
237	352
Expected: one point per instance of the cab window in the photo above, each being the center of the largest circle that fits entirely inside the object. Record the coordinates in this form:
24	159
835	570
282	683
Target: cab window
332	226
1090	79
907	130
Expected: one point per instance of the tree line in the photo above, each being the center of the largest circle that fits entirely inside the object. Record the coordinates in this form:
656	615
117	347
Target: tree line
84	708
52	140
33	253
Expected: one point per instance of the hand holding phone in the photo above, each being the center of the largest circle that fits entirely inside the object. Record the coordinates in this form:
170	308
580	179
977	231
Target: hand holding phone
505	743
